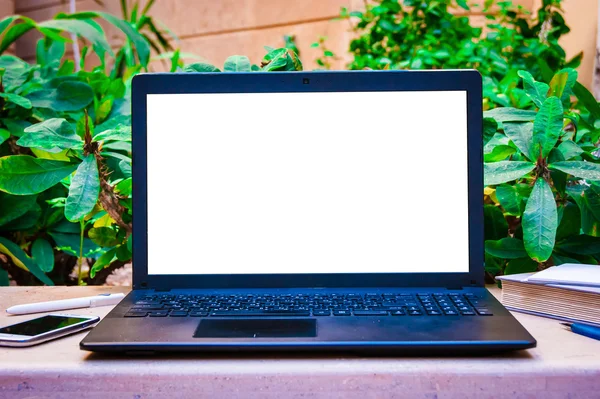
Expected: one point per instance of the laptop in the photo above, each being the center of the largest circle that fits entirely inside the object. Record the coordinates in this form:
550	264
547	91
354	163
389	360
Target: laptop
308	211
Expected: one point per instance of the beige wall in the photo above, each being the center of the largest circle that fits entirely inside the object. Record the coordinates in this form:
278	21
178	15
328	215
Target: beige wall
215	29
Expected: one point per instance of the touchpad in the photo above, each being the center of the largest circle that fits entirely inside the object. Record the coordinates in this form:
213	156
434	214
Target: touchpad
256	328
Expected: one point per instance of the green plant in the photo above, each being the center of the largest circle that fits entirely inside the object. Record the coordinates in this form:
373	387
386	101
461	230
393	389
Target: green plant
542	171
324	61
65	163
416	34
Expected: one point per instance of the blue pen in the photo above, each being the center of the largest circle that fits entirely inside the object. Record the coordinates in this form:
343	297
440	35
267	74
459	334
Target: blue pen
584	329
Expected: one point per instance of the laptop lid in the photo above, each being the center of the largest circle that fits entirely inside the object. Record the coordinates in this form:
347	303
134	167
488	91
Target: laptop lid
307	179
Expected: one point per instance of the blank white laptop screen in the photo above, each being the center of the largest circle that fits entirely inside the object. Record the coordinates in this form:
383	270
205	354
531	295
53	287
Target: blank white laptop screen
369	182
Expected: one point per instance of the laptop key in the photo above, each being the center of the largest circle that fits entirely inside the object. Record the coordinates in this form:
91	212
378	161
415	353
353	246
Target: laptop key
434	313
370	313
414	313
467	313
397	313
322	312
177	313
198	314
483	312
450	312
158	313
342	313
136	314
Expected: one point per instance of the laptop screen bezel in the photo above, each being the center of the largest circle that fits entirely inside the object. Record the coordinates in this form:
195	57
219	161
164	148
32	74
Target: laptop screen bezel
292	82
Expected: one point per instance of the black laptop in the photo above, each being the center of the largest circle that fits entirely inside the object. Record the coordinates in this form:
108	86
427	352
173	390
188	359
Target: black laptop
308	211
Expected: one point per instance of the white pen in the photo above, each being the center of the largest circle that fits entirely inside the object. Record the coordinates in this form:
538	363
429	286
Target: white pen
63	304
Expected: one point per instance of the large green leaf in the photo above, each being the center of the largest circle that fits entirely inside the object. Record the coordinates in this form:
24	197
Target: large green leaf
104	236
582	169
120	133
587	99
509	199
200	67
16	99
83	28
68	96
546	128
521	135
103	261
490	127
505	248
25	222
505	171
142	47
537	91
237	63
495	226
26	175
69	243
43	254
20	258
12	33
580	245
499	153
590	223
540	221
562	84
52	135
509	114
13	207
569	149
84	190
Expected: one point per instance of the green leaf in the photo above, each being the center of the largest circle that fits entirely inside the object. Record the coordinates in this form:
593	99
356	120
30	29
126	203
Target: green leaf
43	255
52	135
521	135
139	41
25	222
582	169
562	84
509	198
16	99
590	224
237	63
580	245
4	135
124	187
103	261
499	153
120	133
201	67
587	99
569	149
13	207
490	127
84	190
68	96
69	243
505	171
522	265
26	175
495	226
570	222
540	221
125	168
20	258
82	28
505	248
509	114
129	243
104	236
123	254
560	259
546	128
463	4
537	91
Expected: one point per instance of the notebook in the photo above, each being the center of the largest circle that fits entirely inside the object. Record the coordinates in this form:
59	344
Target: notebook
556	292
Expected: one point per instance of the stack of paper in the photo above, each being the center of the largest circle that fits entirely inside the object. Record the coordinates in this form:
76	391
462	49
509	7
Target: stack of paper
569	292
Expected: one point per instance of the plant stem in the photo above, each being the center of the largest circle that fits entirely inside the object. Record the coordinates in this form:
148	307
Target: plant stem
82	225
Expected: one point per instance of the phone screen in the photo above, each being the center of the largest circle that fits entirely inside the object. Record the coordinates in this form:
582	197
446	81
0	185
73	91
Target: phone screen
41	325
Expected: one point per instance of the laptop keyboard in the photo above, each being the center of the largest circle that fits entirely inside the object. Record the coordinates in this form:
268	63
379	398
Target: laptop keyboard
318	305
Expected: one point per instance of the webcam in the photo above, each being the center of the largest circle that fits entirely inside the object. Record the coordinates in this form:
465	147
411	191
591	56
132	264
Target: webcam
306	81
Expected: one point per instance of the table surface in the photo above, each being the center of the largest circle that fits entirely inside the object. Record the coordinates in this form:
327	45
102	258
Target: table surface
564	365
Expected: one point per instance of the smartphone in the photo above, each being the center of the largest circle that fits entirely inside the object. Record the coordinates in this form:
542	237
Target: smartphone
45	328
